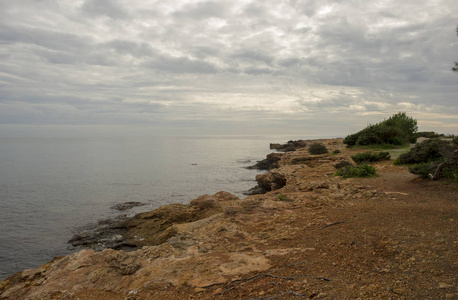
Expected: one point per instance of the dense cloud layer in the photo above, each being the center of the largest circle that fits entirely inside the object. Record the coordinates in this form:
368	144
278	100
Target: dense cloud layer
211	67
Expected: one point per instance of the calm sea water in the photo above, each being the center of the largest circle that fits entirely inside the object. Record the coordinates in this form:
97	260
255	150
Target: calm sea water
52	188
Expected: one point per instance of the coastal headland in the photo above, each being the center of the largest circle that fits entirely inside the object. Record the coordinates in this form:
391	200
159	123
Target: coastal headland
309	235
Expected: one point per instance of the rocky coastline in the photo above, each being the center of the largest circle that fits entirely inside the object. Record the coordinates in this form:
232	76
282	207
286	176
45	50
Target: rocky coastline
307	234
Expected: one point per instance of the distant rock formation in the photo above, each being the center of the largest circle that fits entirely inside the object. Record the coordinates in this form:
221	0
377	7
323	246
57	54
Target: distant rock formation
289	146
270	162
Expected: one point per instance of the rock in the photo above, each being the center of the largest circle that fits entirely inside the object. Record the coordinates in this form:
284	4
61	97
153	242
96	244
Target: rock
127	205
443	285
278	179
264	182
107	234
126	264
270	182
257	190
149	228
270	162
180	242
313	185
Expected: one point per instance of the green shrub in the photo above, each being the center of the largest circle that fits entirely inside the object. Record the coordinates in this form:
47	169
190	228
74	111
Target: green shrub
396	130
342	164
423	169
370	157
283	198
426	151
336	151
359	171
425	158
427	134
317	148
450	172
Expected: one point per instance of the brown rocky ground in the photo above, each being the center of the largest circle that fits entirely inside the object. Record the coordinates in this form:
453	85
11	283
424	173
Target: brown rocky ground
315	236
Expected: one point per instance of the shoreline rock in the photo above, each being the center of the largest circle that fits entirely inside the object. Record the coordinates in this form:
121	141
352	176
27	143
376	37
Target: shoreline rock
127	205
270	162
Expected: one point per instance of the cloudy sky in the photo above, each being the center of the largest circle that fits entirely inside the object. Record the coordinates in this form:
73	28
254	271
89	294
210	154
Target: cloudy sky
304	67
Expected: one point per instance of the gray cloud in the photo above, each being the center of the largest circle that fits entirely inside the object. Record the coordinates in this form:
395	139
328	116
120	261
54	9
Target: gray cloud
269	63
201	10
108	8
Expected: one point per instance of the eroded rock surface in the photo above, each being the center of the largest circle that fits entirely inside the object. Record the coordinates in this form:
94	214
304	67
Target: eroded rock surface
270	162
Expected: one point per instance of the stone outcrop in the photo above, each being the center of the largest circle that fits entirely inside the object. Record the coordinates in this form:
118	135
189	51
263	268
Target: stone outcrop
127	205
149	228
270	162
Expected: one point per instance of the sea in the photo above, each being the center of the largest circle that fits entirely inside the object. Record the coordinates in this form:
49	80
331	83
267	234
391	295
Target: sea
53	188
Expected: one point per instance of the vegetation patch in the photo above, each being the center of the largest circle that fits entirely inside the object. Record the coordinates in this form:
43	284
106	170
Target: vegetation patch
283	198
433	158
342	164
359	171
317	148
426	151
367	157
399	129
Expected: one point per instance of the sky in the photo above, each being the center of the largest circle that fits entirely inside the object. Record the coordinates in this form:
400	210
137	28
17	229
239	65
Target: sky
232	67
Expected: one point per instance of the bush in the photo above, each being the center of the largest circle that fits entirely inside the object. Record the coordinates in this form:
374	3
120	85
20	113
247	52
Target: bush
423	169
426	151
336	151
370	157
342	164
433	158
317	148
427	134
450	172
399	129
359	171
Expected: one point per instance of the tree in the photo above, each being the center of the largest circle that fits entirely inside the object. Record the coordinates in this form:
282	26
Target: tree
396	130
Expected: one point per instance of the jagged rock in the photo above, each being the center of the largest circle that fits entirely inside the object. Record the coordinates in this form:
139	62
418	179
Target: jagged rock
270	162
269	182
149	228
107	234
278	179
257	190
127	205
264	182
